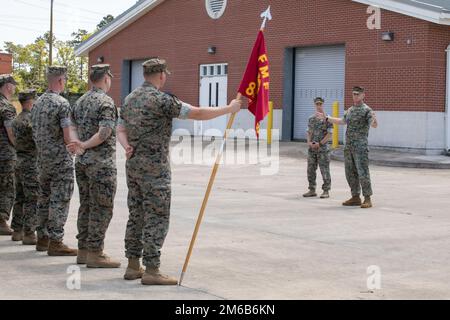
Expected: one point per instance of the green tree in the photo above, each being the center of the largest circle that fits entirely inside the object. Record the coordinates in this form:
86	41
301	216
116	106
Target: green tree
30	61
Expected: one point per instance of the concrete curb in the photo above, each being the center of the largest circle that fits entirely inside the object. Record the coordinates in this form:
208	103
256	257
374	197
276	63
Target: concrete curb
376	158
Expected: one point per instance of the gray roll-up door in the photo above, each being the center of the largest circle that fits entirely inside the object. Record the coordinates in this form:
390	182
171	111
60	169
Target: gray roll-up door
319	72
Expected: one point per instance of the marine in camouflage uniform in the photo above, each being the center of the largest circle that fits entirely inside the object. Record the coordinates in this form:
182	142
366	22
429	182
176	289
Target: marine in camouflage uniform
7	152
318	151
27	186
358	118
94	117
146	118
51	121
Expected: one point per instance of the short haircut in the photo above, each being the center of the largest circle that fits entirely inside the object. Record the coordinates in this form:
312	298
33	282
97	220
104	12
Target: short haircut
53	77
96	76
23	100
150	73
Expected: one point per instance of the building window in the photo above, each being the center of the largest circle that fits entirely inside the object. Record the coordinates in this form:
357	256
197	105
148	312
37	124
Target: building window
225	69
219	70
215	8
211	69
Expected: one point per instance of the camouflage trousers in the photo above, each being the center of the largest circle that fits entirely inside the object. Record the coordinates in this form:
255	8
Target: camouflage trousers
7	188
97	186
149	195
357	170
55	191
27	189
321	159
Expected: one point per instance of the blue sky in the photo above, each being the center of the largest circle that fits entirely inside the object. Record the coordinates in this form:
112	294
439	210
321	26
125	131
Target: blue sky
22	21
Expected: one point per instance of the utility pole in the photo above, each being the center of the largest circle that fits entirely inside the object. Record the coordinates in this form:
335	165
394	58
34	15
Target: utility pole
50	57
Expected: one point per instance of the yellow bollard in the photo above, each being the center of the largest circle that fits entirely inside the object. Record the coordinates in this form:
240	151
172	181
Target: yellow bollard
270	124
335	127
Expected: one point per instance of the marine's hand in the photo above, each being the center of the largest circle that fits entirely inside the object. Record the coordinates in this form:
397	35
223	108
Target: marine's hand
129	151
76	148
374	120
315	146
235	105
321	115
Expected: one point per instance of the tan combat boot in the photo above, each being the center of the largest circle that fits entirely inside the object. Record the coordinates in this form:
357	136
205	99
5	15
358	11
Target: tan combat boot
367	203
29	239
134	269
325	195
17	236
42	244
152	276
59	249
5	230
354	201
311	193
82	256
97	259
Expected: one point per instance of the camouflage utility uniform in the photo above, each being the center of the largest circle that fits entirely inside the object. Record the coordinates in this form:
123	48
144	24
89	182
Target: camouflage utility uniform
358	120
96	171
318	129
7	159
27	186
147	117
50	114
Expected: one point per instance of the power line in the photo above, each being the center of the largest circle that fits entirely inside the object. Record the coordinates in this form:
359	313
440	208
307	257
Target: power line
28	19
78	8
28	29
46	9
31	5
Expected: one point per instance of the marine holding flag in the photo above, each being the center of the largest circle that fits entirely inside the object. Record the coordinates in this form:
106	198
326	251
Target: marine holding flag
256	81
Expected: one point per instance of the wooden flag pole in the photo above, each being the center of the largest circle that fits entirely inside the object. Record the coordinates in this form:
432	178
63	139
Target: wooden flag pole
207	194
267	16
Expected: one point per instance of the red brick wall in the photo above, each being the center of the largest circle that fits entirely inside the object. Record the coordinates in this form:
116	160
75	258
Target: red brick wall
5	63
397	76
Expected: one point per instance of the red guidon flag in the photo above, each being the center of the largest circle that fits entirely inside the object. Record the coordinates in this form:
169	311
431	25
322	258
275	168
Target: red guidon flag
256	82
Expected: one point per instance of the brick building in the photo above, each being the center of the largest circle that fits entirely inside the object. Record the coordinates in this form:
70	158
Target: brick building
5	63
316	48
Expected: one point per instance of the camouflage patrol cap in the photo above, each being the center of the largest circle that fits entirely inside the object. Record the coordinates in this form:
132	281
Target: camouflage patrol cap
6	78
101	69
27	95
155	65
56	71
358	89
319	99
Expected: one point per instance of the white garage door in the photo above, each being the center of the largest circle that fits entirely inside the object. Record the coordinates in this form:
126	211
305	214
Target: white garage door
319	72
137	79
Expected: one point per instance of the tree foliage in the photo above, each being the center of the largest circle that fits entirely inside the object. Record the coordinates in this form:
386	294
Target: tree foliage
30	61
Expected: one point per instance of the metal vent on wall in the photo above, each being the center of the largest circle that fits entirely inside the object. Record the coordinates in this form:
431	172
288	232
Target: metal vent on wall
215	8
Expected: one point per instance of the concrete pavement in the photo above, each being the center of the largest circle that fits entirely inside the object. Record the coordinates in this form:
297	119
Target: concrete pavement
261	240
